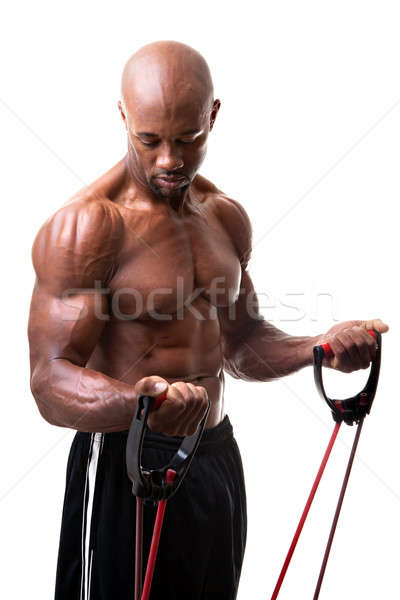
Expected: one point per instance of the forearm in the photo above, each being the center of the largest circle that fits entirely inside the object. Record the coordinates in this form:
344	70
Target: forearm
68	395
265	353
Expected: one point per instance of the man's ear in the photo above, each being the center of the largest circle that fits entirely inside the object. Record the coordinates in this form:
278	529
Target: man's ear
214	112
121	110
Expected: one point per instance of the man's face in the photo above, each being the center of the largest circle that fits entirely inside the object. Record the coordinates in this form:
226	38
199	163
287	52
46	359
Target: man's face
168	140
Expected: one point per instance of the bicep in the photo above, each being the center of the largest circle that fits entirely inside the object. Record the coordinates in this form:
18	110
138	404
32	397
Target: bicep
238	321
65	325
73	256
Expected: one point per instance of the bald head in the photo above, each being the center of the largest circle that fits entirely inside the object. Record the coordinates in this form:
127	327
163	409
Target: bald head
168	110
165	71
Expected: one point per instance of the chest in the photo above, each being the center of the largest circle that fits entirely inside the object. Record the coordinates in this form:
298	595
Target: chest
166	263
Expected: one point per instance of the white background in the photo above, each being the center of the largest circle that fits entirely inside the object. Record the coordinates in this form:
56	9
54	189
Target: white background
308	140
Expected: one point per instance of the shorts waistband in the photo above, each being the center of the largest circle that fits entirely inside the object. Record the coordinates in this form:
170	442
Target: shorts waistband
211	437
214	436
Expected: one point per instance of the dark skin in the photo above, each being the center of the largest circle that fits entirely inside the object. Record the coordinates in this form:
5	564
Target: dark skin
142	281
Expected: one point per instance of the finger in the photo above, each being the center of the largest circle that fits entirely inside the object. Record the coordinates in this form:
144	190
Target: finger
166	419
201	395
204	395
341	360
184	425
370	342
183	388
151	386
201	403
347	339
376	324
177	397
197	400
362	342
190	419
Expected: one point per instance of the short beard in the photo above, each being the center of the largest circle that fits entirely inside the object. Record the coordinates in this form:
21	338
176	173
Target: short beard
169	194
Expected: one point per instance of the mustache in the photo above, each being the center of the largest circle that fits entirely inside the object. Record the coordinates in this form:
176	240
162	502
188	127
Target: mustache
170	175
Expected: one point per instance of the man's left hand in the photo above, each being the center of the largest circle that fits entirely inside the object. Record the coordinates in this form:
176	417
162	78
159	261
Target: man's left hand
353	347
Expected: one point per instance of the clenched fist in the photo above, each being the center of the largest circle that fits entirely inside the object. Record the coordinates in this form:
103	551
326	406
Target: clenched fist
182	411
353	347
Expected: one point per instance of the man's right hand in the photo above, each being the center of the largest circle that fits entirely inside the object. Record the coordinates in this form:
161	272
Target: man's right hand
182	411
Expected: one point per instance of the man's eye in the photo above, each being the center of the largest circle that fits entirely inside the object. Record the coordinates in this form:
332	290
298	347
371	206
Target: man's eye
186	141
148	143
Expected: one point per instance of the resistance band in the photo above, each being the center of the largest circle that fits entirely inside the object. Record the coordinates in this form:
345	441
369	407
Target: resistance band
352	410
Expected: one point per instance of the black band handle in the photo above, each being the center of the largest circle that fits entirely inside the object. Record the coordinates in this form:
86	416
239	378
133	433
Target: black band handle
353	409
152	484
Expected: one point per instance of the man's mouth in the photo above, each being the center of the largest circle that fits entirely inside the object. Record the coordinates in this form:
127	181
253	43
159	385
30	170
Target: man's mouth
170	182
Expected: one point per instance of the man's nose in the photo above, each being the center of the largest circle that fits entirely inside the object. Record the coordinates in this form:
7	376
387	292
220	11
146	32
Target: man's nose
169	158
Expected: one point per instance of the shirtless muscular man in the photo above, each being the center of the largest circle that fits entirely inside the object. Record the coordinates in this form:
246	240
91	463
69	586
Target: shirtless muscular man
142	287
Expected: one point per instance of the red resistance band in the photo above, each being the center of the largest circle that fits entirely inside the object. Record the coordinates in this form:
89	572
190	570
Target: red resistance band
156	485
151	563
352	410
158	400
305	512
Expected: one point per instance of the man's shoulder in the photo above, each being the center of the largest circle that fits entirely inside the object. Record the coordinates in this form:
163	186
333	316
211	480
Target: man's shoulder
87	208
225	207
234	219
82	237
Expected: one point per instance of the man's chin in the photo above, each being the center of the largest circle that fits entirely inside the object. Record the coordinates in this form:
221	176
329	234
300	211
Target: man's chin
173	194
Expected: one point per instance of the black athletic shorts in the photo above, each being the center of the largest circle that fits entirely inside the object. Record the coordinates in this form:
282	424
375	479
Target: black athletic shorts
204	534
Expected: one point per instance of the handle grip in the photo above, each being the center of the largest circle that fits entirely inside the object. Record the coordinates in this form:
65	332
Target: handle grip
158	400
328	352
156	484
351	410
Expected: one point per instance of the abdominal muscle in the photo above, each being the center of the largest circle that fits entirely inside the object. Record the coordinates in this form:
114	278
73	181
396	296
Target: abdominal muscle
186	350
